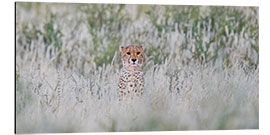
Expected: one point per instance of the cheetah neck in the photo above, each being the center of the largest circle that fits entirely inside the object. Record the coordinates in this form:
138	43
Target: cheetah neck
132	69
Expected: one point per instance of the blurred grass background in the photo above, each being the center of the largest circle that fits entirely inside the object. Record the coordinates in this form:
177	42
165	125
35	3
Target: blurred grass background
67	58
207	33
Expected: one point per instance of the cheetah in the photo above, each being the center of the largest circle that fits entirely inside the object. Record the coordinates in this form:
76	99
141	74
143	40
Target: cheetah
131	80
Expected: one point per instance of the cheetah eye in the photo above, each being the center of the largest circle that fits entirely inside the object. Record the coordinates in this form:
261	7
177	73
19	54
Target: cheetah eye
138	53
128	53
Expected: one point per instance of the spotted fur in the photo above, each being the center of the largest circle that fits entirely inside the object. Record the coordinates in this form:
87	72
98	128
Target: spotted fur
131	80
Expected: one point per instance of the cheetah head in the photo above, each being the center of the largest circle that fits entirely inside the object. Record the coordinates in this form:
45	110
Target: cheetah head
132	57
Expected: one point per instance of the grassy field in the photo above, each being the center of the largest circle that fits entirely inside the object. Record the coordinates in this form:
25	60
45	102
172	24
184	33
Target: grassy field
201	68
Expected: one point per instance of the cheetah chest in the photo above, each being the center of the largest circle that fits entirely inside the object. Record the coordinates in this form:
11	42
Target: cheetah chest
131	83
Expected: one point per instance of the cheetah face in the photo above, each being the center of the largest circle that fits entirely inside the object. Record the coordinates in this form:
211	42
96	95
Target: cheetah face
132	56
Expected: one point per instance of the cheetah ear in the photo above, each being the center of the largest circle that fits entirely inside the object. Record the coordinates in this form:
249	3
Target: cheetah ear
121	48
141	46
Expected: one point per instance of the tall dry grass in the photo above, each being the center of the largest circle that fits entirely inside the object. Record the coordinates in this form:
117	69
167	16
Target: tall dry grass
201	68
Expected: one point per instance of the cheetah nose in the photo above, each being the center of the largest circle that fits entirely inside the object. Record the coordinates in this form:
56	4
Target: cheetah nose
133	60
